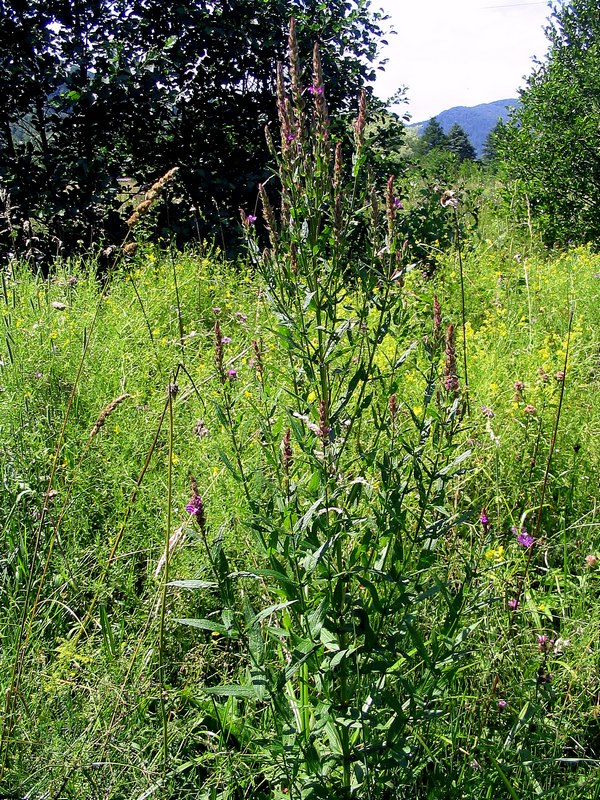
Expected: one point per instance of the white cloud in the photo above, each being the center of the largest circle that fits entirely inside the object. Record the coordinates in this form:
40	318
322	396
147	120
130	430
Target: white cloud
460	52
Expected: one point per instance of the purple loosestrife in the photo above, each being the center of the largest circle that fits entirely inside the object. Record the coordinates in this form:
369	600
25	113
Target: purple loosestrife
295	70
518	386
319	96
393	408
195	508
437	320
544	643
525	539
284	111
286	454
484	519
361	121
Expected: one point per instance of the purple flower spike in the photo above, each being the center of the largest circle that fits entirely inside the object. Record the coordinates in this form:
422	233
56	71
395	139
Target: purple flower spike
398	203
525	539
195	507
232	374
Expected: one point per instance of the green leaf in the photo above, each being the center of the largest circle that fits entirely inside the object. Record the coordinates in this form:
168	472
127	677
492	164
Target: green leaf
208	625
224	458
256	644
194	584
266	612
231	690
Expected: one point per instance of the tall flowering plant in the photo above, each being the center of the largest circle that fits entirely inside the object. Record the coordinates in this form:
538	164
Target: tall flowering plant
339	666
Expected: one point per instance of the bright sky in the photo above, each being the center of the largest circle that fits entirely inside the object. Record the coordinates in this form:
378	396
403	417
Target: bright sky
460	52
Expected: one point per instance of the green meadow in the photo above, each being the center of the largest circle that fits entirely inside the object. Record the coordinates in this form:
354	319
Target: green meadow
108	695
315	521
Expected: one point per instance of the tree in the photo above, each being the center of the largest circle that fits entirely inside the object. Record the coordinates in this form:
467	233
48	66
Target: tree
458	143
490	146
433	137
551	143
103	90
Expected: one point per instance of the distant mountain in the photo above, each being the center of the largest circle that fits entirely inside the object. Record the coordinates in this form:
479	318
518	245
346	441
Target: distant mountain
477	121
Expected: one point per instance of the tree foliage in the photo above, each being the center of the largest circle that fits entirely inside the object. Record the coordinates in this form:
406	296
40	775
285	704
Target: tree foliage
458	143
433	137
99	91
490	147
551	144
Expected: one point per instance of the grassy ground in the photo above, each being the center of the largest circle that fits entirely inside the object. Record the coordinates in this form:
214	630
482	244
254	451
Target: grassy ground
104	692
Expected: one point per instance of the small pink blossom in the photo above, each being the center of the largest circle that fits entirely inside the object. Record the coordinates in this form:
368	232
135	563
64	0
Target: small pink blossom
513	603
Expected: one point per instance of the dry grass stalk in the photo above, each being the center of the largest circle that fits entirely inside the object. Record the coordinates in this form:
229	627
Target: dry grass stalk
106	412
176	538
151	195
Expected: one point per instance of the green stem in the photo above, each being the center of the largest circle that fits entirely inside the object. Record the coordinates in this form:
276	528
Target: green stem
161	633
462	308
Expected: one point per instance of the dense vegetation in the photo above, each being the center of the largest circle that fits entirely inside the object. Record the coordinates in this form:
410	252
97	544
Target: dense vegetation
317	522
101	99
551	147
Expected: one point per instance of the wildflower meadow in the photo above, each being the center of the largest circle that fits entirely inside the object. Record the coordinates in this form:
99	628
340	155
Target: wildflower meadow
318	522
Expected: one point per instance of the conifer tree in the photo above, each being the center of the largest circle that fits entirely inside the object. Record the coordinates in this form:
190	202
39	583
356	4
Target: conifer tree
459	144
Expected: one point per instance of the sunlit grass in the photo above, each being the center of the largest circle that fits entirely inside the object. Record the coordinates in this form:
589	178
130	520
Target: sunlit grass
86	718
